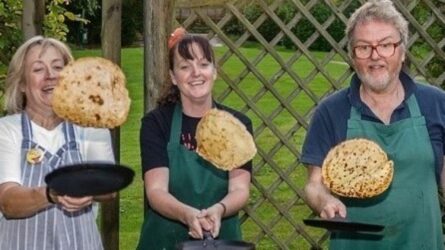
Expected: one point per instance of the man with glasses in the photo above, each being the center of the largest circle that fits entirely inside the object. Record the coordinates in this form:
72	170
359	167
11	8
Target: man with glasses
406	119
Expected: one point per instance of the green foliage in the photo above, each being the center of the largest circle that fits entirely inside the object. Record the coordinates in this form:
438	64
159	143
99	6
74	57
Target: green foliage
79	33
10	34
54	23
132	12
132	23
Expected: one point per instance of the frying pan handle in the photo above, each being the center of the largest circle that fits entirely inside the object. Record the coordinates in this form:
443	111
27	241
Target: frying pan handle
337	217
207	235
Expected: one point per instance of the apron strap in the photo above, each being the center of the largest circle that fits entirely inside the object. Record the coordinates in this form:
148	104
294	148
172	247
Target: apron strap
26	131
176	127
70	142
175	131
70	136
413	106
70	145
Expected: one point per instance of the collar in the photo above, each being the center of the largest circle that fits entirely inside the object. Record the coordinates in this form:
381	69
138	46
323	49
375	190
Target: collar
354	90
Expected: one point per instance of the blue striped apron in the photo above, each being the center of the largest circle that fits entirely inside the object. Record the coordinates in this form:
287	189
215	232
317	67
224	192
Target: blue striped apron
51	228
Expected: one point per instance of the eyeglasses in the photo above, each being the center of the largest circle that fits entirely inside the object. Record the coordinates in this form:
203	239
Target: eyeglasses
384	50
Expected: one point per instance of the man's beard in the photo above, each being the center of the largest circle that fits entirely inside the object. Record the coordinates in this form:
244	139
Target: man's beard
376	84
379	82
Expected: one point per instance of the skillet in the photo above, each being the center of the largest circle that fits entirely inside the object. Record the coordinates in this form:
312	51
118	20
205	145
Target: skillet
209	243
89	179
341	224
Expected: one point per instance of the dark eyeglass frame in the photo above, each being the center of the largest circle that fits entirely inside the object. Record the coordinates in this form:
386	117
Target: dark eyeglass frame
375	47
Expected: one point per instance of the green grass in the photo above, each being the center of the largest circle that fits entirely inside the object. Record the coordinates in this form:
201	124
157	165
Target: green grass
131	199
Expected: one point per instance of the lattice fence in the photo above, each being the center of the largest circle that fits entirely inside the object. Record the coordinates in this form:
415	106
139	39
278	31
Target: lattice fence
270	68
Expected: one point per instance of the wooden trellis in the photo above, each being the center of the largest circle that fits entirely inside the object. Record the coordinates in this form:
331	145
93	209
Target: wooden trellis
274	215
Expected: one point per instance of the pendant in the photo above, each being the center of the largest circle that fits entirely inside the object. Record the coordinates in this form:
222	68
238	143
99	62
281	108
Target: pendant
34	155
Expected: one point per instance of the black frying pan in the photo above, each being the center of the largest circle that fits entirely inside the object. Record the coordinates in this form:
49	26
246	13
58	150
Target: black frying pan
208	243
89	179
342	224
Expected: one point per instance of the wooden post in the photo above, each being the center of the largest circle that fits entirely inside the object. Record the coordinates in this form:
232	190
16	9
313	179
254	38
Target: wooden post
111	49
32	18
158	19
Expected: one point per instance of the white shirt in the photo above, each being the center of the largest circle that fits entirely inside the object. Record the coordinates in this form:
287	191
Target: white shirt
94	144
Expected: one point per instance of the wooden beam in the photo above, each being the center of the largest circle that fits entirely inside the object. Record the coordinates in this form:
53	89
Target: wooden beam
111	49
32	18
201	3
111	30
158	19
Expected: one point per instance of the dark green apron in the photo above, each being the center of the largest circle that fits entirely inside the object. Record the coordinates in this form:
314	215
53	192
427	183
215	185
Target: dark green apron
192	181
410	207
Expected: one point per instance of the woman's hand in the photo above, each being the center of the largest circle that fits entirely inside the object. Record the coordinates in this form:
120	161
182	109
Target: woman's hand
332	207
197	222
209	220
319	198
213	216
71	204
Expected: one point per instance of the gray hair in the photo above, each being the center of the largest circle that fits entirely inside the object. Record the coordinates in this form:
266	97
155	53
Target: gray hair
382	10
15	100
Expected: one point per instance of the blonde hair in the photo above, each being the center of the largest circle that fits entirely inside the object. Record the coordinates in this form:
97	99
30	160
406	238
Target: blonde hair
15	100
381	10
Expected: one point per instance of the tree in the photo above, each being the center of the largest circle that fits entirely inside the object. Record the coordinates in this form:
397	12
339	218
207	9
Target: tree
32	19
56	16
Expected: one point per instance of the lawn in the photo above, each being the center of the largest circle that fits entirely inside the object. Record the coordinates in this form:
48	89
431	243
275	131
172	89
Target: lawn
131	210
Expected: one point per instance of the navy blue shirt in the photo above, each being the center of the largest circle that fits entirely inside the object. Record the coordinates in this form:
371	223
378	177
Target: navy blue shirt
329	122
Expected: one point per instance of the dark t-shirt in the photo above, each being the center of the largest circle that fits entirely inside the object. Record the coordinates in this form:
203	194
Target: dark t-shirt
328	126
155	134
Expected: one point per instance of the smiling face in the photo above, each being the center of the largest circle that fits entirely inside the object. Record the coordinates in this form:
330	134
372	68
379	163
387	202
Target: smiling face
194	77
42	68
377	72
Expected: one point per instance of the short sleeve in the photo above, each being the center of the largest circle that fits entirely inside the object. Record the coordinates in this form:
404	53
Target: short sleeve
10	141
154	137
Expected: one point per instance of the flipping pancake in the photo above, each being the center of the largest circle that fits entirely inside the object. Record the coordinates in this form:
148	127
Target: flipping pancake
223	140
357	168
91	92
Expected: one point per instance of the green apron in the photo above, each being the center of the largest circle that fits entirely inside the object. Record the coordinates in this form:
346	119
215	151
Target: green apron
410	207
192	181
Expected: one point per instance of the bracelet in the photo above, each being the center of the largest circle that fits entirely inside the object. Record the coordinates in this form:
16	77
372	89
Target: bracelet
224	207
48	196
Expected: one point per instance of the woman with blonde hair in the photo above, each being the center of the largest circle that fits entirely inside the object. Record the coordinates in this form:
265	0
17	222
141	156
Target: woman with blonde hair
35	141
